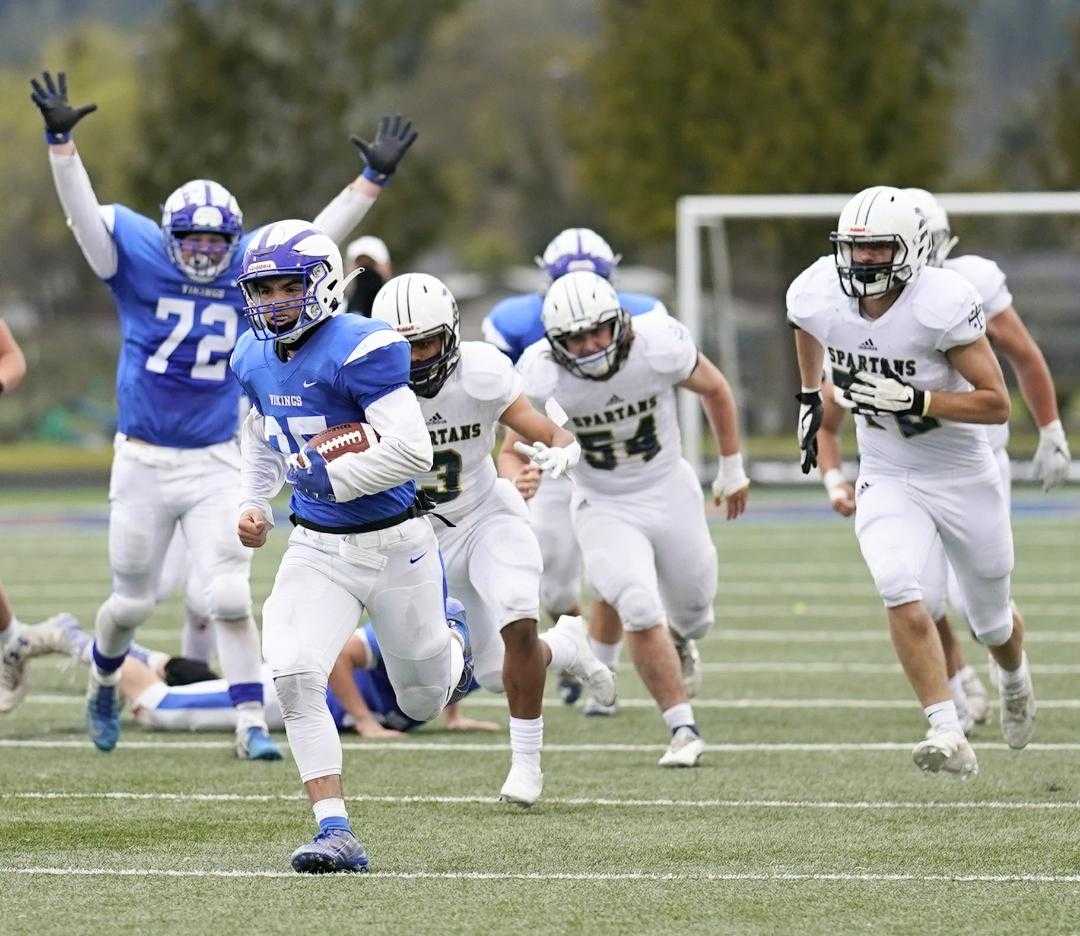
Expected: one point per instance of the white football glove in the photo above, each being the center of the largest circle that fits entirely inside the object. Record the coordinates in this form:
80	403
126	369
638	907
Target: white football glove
875	393
1052	458
555	460
731	478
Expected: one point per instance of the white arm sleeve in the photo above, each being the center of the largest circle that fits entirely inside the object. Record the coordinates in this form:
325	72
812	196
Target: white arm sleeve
345	211
89	222
262	470
403	452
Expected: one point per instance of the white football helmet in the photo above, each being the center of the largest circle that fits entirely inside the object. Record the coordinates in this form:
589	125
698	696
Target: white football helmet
578	249
420	306
201	207
880	214
293	248
580	302
941	237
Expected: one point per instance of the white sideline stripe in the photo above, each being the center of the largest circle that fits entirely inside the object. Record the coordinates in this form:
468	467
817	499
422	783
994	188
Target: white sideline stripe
498	702
732	634
859	805
706	876
491	747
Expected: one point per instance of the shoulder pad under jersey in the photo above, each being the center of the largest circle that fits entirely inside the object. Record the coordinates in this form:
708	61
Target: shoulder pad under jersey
486	373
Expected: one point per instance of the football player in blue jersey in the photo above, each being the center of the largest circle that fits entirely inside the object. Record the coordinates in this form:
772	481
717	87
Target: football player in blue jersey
176	461
512	325
361	538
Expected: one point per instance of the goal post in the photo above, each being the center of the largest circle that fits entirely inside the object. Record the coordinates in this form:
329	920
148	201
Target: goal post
698	214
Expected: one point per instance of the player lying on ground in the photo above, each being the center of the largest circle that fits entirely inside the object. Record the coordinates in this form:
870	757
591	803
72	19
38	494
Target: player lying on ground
361	538
512	325
907	346
178	694
637	511
490	554
176	460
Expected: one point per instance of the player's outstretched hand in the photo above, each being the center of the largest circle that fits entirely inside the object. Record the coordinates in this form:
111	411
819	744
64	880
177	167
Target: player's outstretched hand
371	730
556	460
393	138
453	720
253	528
811	411
51	99
731	486
1052	458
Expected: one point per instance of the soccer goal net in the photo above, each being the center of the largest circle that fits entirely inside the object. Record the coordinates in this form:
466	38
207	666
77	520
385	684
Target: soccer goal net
736	255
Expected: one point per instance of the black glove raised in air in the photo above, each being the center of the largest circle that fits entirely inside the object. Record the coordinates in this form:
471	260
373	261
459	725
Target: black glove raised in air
52	101
392	141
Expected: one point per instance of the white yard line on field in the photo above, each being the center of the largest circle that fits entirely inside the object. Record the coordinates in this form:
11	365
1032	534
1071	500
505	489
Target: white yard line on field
857	805
452	747
854	635
498	702
615	876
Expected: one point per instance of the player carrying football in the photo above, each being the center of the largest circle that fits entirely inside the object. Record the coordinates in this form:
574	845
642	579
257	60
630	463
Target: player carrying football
637	509
466	390
176	460
907	346
361	538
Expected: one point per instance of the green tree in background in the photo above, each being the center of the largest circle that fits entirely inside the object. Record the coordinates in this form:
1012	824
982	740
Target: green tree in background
1059	164
722	96
261	95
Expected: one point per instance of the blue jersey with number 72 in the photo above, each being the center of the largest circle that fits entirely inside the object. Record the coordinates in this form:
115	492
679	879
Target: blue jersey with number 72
173	384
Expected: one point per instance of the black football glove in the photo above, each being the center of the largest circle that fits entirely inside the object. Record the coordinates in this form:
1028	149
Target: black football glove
810	413
392	141
52	101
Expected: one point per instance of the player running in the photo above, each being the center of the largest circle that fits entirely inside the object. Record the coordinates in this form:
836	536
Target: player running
512	325
907	346
361	539
637	508
176	461
467	390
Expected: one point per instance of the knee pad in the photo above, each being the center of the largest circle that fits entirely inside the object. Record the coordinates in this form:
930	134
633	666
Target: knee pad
422	703
639	608
560	597
896	583
996	636
487	665
301	694
693	623
127	612
230	597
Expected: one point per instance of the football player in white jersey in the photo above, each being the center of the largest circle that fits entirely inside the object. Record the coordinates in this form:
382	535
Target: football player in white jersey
1010	337
907	346
492	559
637	509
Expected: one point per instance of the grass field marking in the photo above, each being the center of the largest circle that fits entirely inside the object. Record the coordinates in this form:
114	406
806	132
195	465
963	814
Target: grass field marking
875	635
477	747
706	876
481	799
498	702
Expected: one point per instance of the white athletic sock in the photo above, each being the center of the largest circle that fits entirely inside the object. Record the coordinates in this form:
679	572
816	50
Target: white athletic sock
608	654
250	715
526	740
1012	680
679	715
942	716
956	684
563	649
10	631
331	813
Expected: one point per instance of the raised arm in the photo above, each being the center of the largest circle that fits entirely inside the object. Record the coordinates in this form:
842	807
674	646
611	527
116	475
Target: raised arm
381	157
12	361
89	222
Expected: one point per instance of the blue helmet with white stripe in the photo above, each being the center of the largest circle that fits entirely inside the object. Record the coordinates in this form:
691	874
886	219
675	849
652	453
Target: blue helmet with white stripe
292	249
195	210
578	249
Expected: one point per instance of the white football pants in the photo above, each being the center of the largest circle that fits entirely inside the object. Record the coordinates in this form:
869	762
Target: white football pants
560	585
650	555
324	583
899	522
493	567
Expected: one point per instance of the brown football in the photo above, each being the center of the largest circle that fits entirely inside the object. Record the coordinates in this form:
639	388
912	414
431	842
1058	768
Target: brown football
341	440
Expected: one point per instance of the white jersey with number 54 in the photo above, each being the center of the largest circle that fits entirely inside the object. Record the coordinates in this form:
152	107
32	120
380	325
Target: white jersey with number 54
941	311
627	424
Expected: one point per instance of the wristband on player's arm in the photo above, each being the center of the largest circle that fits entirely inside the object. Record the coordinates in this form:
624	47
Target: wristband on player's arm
834	480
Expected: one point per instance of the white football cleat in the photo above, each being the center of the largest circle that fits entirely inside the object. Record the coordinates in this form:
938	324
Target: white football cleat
947	751
594	708
596	677
690	661
13	683
978	700
685	749
1018	710
523	785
